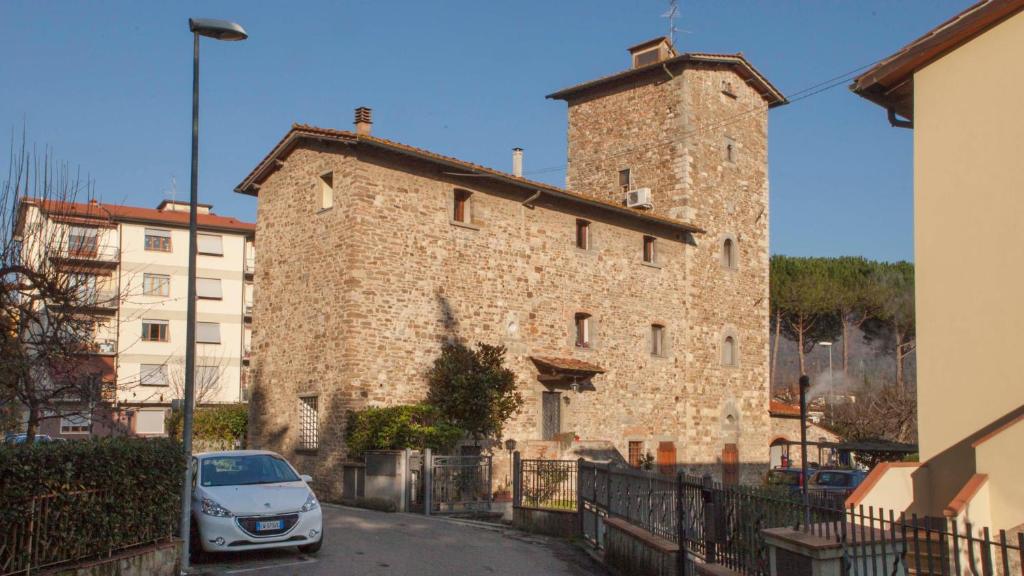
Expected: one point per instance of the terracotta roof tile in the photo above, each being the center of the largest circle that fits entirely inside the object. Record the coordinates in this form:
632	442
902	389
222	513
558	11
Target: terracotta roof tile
305	131
567	365
777	408
118	213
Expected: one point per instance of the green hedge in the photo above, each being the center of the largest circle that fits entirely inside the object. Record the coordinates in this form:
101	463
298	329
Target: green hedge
228	422
397	427
108	493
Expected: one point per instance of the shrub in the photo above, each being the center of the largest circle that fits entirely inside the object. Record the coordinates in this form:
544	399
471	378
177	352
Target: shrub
473	389
107	493
227	422
398	427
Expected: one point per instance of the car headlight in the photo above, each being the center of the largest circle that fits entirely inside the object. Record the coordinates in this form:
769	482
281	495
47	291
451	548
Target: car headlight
211	508
311	503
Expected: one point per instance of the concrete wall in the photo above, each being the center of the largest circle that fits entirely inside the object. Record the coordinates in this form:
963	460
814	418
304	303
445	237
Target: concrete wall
155	560
998	457
549	522
967	128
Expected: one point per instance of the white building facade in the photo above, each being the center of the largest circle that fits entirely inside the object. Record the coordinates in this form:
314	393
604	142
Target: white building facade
133	263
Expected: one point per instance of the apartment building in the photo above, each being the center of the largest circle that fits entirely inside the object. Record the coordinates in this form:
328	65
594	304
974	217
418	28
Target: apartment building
132	266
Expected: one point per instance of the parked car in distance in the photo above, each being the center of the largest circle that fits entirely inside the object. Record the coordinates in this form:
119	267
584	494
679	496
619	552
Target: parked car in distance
251	499
788	477
836	481
19	438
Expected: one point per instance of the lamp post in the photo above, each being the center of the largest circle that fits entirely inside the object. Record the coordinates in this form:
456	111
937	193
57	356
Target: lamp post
830	382
219	30
805	383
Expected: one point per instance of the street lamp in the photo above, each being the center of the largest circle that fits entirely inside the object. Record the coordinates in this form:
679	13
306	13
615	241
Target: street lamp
218	30
830	382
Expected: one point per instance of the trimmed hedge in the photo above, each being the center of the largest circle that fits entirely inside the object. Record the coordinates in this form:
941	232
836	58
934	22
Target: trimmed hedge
227	422
399	427
107	493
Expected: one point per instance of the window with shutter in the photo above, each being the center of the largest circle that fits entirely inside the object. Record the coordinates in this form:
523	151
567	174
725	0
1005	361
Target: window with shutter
153	375
208	332
210	244
158	240
208	288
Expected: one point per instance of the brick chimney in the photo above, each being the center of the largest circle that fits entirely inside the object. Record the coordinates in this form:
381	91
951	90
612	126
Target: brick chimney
517	162
364	120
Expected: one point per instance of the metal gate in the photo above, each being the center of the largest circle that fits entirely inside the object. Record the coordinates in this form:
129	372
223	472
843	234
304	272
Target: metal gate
457	484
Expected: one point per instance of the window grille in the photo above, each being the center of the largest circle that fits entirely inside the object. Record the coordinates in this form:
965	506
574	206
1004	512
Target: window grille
308	423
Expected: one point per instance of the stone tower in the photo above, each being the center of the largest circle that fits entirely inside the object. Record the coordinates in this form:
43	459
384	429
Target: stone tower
692	129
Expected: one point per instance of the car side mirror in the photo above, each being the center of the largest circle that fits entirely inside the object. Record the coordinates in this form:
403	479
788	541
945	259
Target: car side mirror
306	478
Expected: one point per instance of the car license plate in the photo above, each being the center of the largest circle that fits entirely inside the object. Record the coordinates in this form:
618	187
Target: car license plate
264	525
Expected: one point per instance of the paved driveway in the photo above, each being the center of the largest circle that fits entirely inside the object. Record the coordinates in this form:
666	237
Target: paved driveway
362	542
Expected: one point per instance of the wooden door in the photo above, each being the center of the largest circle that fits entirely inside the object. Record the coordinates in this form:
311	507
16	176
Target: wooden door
730	464
667	457
551	415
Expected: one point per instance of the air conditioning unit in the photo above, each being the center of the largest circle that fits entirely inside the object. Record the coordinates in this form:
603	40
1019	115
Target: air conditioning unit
639	198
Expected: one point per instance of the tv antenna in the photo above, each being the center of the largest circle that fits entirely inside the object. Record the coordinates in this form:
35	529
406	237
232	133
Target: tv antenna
672	13
173	192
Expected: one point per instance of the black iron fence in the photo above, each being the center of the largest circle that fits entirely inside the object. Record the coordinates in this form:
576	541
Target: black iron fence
725	524
545	484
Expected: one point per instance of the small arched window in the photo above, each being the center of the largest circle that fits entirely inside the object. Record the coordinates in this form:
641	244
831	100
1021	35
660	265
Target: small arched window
729	351
729	253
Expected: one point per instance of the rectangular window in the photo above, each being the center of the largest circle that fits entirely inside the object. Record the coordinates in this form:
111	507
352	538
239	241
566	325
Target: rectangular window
155	330
149	422
82	241
649	249
207	332
153	375
158	240
583	234
210	244
636	454
74	424
309	422
207	377
625	180
657	340
582	322
156	284
326	190
208	288
461	209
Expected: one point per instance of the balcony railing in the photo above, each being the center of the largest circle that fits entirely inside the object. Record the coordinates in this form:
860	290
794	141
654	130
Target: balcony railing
101	299
99	254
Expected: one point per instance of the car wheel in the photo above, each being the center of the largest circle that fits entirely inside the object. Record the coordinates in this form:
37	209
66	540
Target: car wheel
312	548
195	546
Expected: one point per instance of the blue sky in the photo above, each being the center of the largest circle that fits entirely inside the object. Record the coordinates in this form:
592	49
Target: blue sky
107	86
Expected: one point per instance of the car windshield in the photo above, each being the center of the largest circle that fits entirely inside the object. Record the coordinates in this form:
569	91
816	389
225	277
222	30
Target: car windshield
242	470
832	479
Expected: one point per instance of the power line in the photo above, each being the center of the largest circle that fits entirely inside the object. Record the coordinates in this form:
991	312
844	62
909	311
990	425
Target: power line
797	96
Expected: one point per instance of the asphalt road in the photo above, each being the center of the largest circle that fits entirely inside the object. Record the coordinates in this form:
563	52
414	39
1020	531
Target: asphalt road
367	543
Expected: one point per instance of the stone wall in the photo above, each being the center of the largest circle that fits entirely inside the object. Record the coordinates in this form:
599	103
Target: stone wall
672	133
354	302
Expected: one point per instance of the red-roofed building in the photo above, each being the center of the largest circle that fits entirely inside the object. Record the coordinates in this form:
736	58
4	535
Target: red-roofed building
132	265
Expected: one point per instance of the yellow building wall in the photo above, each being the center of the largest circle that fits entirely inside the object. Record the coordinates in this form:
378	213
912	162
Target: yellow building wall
969	238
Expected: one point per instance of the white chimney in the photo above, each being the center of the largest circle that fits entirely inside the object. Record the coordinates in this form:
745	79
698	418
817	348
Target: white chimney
517	162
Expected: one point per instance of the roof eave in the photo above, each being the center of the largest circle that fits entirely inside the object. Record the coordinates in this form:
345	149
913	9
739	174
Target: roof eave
899	68
766	88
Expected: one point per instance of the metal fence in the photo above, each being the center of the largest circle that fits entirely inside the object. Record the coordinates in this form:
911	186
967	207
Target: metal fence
54	529
643	499
545	484
459	483
724	523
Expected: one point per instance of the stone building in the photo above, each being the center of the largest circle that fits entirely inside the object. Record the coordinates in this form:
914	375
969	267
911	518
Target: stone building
633	302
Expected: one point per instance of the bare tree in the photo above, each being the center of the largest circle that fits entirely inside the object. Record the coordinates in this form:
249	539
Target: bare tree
49	301
881	413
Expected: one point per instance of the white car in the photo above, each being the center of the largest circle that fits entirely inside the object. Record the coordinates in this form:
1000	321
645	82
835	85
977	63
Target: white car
251	499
